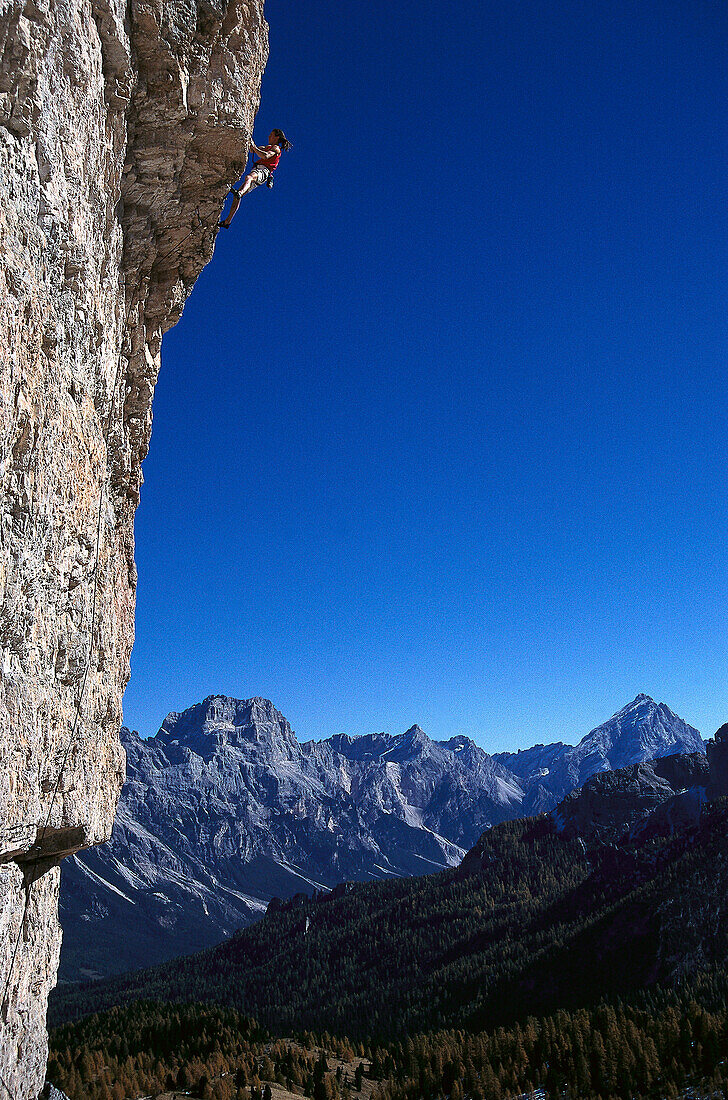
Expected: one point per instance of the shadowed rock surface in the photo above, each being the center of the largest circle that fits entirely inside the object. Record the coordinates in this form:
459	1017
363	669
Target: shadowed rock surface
611	804
717	750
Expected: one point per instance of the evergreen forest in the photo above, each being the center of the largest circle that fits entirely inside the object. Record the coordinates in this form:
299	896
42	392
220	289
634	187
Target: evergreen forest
530	924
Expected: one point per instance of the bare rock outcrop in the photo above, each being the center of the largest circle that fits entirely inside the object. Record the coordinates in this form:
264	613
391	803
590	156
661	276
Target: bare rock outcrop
717	750
611	804
122	124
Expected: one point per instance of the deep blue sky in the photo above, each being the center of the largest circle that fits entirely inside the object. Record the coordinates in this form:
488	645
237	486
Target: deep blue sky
441	436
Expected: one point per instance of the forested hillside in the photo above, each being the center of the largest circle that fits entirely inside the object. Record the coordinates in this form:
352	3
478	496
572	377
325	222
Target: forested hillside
532	922
660	1044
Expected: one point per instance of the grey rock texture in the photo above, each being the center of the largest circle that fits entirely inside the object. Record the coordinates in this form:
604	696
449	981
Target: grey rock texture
50	1092
224	809
121	127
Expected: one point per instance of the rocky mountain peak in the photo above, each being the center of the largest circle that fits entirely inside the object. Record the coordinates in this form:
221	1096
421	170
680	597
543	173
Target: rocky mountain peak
367	746
642	727
413	743
641	704
458	743
220	721
416	733
641	730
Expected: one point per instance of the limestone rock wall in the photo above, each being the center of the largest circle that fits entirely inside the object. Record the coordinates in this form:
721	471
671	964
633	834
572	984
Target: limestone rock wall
122	125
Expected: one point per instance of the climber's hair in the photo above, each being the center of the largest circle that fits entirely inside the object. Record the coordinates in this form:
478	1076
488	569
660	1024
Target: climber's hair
282	140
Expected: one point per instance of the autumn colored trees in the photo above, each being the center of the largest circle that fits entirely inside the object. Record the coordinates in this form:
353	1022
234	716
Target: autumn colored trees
654	1045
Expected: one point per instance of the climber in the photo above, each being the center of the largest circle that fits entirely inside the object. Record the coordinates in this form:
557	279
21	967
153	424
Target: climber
261	172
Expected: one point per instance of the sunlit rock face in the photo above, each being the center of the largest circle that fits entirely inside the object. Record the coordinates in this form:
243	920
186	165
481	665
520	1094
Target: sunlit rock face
121	127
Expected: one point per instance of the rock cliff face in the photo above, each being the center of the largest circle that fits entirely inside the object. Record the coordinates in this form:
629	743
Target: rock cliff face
122	125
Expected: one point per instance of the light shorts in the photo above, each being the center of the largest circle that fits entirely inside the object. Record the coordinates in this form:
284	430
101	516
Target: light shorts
260	174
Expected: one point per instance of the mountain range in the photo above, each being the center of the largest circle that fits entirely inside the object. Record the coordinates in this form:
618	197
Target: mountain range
224	809
622	886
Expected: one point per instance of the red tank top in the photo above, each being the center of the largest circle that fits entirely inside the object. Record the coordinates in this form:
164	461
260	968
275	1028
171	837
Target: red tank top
272	164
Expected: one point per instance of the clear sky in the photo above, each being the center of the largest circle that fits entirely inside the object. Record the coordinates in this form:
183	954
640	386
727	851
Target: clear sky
441	436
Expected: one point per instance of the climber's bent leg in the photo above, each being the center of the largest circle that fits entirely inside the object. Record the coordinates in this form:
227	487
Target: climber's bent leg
251	180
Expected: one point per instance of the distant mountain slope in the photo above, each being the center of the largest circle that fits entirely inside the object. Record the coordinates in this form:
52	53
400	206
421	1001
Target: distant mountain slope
539	916
224	809
643	730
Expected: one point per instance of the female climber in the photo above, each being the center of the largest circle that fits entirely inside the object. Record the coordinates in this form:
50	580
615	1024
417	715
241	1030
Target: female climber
261	172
